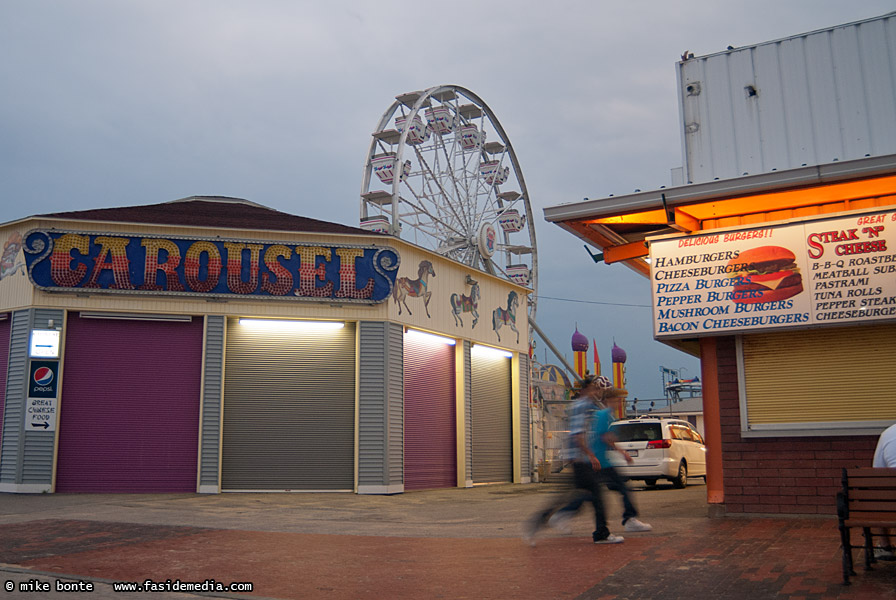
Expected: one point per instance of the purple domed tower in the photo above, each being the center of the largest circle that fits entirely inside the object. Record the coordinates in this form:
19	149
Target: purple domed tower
580	352
579	342
618	354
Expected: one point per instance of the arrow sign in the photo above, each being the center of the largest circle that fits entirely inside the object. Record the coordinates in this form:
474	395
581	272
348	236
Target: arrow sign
45	425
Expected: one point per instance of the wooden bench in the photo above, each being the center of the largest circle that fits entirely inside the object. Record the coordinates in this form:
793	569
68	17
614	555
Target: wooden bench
867	501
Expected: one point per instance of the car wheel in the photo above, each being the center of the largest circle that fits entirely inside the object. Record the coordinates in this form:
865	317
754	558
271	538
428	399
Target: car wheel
650	482
682	479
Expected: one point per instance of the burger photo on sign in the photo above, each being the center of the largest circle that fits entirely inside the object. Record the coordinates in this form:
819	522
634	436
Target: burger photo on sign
764	274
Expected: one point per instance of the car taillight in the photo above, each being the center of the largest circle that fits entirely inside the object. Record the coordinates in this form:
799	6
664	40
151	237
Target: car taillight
659	444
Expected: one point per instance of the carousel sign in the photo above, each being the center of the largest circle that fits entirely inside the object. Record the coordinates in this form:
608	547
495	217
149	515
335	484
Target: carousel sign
65	261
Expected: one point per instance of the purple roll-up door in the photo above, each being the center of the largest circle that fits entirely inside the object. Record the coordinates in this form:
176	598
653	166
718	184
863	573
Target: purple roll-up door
4	365
430	434
129	410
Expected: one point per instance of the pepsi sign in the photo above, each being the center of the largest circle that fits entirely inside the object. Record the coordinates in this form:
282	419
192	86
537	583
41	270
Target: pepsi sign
42	383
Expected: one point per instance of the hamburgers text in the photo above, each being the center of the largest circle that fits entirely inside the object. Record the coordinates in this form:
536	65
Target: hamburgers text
765	274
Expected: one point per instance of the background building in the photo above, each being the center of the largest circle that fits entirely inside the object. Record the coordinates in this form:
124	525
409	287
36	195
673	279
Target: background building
789	148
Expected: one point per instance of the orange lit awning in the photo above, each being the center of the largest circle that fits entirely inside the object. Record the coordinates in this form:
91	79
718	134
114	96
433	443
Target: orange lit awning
619	226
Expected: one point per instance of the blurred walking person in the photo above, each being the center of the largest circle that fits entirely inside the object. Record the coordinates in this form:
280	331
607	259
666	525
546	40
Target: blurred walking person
585	464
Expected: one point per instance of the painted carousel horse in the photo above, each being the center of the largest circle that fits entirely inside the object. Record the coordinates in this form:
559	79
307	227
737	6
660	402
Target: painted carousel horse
466	304
507	316
415	288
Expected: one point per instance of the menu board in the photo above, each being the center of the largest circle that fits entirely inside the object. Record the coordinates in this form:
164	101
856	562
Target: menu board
818	272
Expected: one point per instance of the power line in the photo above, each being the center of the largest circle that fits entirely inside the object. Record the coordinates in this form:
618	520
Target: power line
593	302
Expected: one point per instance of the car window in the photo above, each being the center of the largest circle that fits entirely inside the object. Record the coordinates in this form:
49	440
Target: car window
637	432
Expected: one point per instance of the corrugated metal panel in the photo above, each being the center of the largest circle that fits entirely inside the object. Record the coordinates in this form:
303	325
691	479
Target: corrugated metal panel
492	425
380	429
806	100
129	407
468	410
395	383
5	328
525	433
213	388
289	409
430	423
12	444
37	455
821	375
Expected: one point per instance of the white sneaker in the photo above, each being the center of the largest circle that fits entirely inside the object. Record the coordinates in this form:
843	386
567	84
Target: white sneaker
884	554
560	522
634	524
611	539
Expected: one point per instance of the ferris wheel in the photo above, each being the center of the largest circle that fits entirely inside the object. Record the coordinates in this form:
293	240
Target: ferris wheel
441	173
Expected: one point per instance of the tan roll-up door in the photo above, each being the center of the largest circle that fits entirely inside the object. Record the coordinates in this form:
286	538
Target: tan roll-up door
821	375
492	428
289	406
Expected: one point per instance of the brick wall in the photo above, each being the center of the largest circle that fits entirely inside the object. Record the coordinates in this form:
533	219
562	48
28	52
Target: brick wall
786	475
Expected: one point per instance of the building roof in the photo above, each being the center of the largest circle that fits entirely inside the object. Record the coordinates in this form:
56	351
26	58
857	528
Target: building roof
210	211
688	406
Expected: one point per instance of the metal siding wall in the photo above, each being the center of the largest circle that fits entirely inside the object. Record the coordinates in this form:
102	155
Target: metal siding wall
209	459
5	328
821	97
430	423
468	410
380	406
289	410
492	425
525	432
30	459
37	458
12	444
129	410
395	384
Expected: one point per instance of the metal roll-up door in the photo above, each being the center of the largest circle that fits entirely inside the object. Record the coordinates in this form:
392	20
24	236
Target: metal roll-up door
4	363
289	409
836	374
129	409
430	421
492	427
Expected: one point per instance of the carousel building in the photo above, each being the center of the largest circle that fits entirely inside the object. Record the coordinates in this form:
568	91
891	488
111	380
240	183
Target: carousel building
212	344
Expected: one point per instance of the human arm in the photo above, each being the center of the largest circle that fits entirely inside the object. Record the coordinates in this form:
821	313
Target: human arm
582	443
610	440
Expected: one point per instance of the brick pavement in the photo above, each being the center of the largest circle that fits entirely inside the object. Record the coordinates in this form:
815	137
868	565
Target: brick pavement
723	559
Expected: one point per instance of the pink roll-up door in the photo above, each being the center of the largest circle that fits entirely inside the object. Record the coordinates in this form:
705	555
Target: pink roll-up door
129	409
4	364
430	435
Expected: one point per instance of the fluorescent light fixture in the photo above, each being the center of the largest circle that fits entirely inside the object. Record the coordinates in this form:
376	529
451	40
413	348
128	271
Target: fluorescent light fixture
135	316
422	335
490	351
276	324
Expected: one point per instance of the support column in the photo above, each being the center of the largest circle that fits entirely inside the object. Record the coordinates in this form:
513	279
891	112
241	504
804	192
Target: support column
715	476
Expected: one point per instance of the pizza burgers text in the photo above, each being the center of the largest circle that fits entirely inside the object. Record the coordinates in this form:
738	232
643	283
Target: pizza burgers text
766	274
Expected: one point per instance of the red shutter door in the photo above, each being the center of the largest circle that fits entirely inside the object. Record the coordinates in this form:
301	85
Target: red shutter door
430	436
129	410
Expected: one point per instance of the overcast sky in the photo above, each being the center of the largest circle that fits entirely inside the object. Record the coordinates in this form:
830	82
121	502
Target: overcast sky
125	102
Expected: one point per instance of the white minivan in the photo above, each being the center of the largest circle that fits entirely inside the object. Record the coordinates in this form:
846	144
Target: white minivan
661	448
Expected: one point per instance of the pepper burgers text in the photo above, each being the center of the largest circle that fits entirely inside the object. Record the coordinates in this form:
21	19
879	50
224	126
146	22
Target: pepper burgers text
766	274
